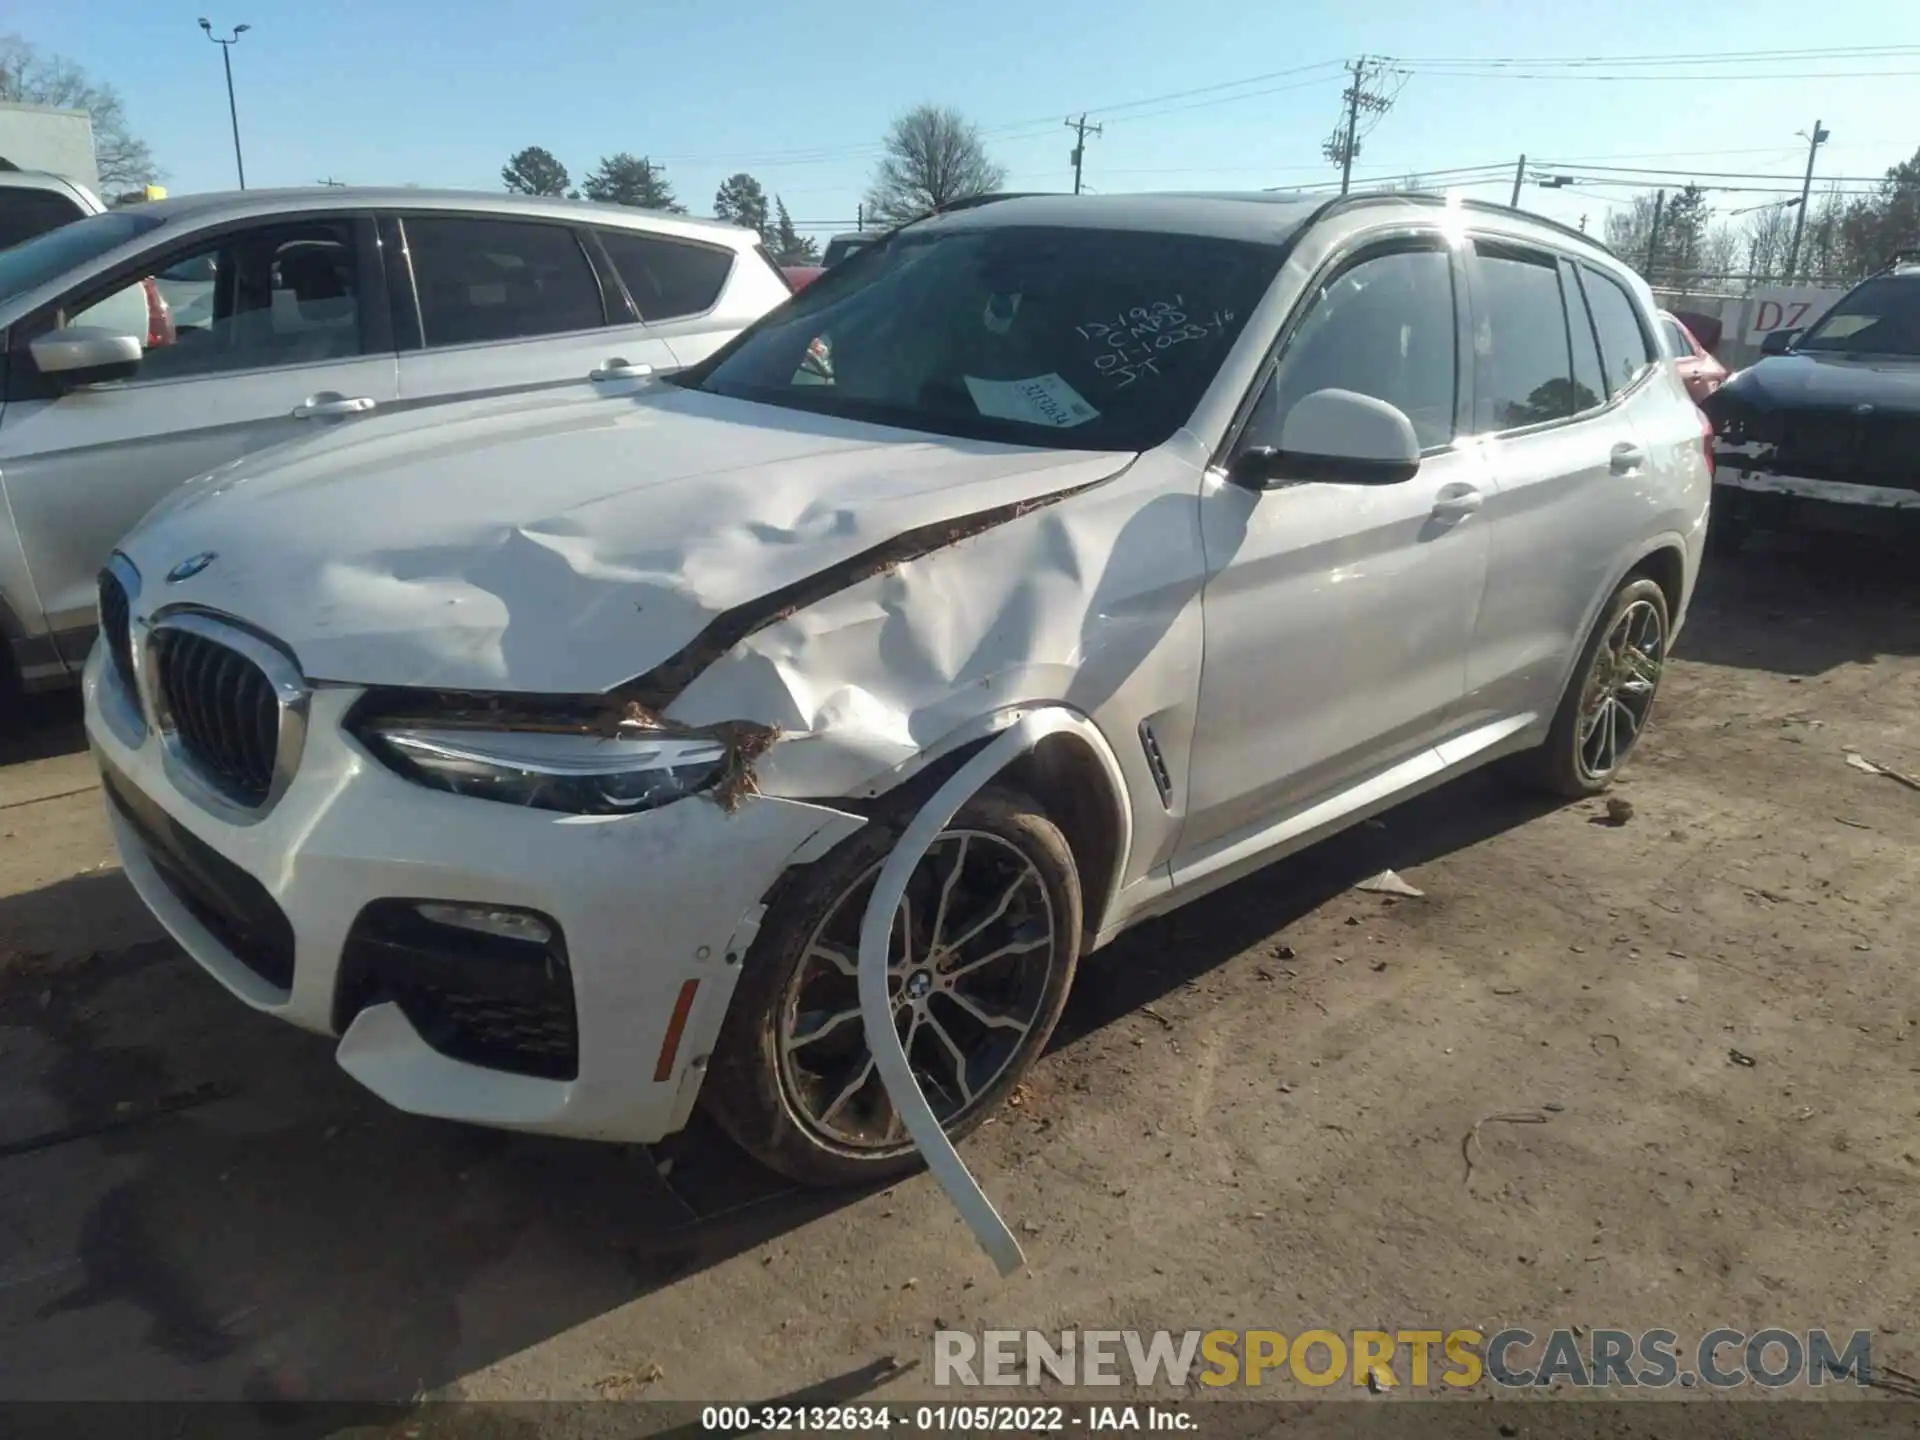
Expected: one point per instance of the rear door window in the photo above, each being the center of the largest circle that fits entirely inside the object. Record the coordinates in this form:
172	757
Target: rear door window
1523	361
1678	345
492	280
668	278
1626	350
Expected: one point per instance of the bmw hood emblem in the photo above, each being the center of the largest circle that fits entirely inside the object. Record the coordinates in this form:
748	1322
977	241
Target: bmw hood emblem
191	566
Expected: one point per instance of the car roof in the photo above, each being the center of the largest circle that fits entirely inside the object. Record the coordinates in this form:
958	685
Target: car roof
1257	215
249	204
46	180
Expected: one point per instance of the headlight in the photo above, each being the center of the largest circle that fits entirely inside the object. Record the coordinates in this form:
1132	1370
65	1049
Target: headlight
577	774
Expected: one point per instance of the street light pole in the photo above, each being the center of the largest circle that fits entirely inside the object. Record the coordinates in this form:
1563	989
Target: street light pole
1814	142
233	111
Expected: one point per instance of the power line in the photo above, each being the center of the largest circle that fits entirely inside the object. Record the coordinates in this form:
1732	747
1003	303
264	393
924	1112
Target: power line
1222	85
1498	74
1714	57
1003	130
1701	174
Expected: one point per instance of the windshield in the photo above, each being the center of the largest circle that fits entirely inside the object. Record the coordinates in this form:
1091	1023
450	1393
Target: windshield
1072	338
36	261
840	248
1876	317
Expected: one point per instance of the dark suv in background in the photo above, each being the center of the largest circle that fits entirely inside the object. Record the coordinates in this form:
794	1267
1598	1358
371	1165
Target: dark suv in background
1824	432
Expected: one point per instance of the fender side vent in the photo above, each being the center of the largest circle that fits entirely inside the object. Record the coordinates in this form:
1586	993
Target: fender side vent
1156	765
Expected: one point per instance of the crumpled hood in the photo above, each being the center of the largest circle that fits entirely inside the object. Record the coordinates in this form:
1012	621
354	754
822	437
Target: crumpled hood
1810	381
557	544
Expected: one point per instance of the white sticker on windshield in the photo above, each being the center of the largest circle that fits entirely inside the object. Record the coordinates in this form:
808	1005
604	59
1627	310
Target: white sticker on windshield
1043	400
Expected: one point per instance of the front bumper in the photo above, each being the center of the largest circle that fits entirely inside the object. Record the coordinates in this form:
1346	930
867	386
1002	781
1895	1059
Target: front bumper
1749	494
655	911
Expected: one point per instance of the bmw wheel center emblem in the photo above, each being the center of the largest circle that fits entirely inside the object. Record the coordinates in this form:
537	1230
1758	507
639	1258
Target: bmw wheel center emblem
191	566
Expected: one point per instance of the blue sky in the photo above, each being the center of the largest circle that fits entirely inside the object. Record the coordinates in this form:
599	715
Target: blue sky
1219	93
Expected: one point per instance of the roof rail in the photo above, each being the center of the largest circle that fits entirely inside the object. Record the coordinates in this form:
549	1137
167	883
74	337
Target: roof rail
1486	207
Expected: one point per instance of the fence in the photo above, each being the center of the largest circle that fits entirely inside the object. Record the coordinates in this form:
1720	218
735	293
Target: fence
1733	326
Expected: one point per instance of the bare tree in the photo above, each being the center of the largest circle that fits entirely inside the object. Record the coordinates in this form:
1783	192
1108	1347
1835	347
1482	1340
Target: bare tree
1627	230
1765	238
27	76
933	157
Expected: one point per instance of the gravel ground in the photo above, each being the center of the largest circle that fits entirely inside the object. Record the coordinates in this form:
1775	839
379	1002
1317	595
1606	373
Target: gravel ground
1280	1108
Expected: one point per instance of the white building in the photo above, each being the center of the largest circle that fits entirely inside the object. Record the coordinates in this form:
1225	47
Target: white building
40	137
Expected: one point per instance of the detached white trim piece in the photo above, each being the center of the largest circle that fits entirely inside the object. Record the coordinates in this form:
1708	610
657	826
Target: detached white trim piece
1843	492
876	928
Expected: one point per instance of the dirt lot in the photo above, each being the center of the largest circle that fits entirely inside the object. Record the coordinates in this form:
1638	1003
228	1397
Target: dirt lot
1257	1113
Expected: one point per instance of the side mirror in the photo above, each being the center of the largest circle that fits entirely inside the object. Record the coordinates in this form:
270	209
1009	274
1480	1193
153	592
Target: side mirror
1778	342
1336	436
85	355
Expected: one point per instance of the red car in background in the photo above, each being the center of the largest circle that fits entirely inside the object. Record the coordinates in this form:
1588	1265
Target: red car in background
1702	373
801	276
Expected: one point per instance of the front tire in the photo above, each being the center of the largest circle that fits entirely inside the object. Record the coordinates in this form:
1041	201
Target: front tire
984	947
1609	699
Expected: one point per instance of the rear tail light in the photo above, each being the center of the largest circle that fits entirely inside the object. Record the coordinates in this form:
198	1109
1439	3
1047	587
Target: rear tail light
159	318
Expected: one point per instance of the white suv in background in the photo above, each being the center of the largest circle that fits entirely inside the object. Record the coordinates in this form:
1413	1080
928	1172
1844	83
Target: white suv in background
157	342
33	202
1105	548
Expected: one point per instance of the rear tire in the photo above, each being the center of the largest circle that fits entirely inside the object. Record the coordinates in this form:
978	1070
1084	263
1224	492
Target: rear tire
1609	698
994	910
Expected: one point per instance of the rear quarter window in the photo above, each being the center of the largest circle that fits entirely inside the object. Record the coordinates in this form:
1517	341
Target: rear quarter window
668	278
1626	351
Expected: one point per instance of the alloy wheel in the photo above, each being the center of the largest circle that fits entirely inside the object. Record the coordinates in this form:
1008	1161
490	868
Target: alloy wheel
1620	689
973	945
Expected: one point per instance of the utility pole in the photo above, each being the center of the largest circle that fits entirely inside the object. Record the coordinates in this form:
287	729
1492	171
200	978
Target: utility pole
1344	143
1519	174
860	216
1653	234
1353	124
233	111
1080	129
1814	142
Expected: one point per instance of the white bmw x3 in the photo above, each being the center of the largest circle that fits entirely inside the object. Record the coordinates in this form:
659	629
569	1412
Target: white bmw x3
547	752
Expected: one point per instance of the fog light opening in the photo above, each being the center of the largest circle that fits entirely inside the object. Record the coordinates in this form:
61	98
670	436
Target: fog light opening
487	920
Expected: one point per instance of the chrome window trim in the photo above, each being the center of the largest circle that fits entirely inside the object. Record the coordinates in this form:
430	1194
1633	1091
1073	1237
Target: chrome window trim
290	690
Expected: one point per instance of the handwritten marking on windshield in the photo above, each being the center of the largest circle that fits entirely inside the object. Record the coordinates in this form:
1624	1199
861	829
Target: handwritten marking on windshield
1131	343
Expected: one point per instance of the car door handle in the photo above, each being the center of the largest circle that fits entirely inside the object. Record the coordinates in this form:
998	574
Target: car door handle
620	370
318	407
1626	458
1456	502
